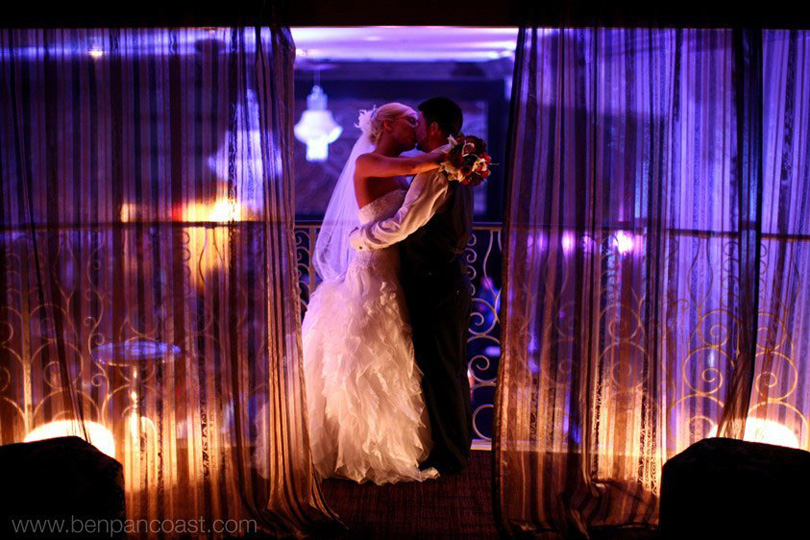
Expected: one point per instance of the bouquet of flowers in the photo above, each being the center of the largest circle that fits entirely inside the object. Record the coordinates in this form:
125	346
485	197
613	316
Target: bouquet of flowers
467	161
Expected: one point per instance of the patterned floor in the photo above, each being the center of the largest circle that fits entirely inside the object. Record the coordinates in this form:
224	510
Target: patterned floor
457	507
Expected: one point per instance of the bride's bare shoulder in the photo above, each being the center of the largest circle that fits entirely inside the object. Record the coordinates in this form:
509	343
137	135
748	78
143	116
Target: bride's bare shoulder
362	164
366	159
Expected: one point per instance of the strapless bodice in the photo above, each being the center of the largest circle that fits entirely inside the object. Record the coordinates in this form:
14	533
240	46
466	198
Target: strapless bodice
382	207
380	261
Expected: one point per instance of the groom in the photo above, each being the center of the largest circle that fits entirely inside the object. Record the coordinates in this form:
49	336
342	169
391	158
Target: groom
432	228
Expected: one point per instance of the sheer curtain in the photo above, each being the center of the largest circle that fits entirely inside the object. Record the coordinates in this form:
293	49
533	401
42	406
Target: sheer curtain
655	267
780	385
149	295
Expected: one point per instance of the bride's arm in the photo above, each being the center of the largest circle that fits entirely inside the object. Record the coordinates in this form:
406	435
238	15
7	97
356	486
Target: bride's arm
376	165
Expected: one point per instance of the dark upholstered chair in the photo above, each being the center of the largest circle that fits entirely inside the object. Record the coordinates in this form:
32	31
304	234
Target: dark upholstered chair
730	489
64	479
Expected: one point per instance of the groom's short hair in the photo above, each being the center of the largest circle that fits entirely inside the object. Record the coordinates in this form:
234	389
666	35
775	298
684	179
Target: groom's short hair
445	112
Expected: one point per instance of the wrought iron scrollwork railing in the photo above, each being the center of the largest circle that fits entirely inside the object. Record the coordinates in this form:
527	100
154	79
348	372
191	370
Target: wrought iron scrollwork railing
483	257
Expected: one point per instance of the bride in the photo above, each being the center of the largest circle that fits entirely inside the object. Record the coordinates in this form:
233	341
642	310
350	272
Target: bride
367	417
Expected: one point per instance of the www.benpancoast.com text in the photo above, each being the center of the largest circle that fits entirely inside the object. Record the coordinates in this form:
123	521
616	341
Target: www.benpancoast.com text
33	527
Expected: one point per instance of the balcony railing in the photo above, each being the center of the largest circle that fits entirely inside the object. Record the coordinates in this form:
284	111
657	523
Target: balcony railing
483	257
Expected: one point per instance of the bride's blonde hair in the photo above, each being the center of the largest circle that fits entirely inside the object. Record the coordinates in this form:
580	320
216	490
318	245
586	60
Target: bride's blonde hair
371	122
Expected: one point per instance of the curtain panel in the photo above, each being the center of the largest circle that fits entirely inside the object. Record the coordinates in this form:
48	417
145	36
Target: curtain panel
656	264
149	291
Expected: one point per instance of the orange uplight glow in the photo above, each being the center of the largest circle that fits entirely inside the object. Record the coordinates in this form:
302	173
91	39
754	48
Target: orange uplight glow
768	432
221	211
99	436
209	242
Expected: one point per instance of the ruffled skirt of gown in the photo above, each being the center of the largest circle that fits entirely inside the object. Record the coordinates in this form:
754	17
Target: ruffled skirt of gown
367	417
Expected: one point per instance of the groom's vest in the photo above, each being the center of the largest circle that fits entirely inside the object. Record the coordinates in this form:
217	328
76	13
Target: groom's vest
441	240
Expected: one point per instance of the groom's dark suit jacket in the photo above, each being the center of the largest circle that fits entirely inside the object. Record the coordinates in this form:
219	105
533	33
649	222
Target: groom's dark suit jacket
437	291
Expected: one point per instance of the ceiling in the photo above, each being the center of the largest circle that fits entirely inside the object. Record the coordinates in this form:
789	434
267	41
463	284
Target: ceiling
404	43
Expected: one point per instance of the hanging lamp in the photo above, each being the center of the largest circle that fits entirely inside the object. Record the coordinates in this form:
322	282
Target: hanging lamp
317	128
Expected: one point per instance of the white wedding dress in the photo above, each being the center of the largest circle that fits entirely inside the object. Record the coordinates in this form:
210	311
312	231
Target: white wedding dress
367	417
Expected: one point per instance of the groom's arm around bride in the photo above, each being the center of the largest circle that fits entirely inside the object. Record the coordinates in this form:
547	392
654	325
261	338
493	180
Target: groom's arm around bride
432	229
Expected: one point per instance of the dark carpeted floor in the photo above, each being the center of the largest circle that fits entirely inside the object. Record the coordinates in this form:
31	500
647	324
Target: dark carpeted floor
456	506
452	507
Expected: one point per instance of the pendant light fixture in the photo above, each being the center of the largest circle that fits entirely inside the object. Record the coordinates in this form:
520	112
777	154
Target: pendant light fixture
317	128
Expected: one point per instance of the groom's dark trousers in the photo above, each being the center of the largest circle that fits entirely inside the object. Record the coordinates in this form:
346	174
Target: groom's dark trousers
437	292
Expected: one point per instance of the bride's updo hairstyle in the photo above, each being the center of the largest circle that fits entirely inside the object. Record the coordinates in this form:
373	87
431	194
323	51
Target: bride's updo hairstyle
371	122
